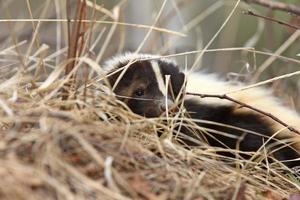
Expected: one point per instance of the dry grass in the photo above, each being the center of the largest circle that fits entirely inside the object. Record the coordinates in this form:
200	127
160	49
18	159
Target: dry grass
97	150
89	146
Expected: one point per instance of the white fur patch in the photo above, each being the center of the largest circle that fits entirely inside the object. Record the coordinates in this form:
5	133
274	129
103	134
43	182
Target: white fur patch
159	77
207	84
113	62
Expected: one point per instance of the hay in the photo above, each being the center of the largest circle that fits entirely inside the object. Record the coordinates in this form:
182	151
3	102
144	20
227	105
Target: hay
98	150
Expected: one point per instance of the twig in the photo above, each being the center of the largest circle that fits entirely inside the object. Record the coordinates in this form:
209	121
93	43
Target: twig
74	37
249	12
224	96
277	5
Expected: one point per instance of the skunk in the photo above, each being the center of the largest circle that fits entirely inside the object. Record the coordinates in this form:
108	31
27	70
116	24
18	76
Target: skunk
139	80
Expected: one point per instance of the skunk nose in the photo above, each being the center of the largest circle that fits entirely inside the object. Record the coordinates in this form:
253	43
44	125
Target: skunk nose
163	105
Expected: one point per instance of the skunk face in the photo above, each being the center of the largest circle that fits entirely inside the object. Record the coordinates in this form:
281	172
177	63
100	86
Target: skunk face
142	85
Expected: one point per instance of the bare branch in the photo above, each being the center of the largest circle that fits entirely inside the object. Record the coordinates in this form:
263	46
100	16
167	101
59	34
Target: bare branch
275	5
249	12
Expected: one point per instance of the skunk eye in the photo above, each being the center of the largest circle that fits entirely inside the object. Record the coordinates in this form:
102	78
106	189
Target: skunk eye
139	92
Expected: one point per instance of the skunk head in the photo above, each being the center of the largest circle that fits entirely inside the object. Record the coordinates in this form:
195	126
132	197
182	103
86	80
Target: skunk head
139	80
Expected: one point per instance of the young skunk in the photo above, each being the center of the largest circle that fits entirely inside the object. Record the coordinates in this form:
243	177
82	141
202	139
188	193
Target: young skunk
139	81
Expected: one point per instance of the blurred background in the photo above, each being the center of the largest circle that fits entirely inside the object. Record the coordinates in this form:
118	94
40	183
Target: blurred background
193	24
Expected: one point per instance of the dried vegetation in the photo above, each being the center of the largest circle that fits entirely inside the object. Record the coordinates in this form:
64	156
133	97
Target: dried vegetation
62	138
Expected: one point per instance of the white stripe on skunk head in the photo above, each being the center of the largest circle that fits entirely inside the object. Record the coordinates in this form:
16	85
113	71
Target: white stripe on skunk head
142	84
114	62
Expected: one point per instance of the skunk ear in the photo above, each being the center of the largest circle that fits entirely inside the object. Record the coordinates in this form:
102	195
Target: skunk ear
178	84
177	77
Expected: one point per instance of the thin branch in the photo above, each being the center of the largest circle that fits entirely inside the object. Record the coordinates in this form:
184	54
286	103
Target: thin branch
74	36
224	96
249	12
275	5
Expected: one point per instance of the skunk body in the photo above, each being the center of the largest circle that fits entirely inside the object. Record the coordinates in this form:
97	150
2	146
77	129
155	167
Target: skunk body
139	81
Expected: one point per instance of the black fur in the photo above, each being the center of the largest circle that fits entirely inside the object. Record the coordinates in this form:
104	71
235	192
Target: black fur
248	141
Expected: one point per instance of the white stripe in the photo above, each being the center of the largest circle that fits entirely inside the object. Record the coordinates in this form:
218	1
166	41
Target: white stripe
159	78
113	62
